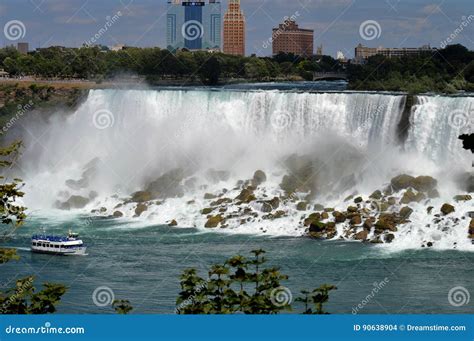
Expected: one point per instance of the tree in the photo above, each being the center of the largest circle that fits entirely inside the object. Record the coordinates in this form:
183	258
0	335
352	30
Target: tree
240	285
210	71
122	307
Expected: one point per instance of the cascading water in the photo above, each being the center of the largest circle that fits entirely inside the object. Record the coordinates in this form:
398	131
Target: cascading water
120	141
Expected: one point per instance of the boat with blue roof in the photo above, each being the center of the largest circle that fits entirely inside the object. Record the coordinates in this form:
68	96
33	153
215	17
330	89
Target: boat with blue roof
70	245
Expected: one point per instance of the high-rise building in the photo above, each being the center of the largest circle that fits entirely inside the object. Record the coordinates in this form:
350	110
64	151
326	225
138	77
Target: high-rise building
234	29
22	48
289	38
194	25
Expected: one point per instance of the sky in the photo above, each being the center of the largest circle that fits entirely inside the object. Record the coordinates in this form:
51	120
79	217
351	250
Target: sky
339	25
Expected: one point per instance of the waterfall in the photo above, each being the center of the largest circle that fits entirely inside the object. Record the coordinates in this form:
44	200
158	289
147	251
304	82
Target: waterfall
119	141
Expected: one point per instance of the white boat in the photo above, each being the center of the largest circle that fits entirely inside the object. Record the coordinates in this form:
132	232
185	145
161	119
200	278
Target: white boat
58	245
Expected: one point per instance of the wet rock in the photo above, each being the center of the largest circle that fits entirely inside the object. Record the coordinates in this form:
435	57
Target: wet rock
433	194
275	202
356	219
389	238
429	209
266	207
377	195
405	212
471	229
221	201
362	235
209	196
207	210
424	183
368	224
140	209
386	221
328	209
246	195
339	217
167	185
173	223
312	219
301	177
214	221
259	177
447	209
103	210
402	181
410	196
141	196
352	209
74	202
358	200
117	214
324	215
302	206
318	207
464	197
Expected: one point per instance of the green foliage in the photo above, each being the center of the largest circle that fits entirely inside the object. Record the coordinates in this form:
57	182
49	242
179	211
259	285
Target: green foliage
122	307
447	70
23	298
240	285
318	297
155	64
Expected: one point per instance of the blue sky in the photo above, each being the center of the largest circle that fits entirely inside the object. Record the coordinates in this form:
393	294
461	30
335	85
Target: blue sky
337	23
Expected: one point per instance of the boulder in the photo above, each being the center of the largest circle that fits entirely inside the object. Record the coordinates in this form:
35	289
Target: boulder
266	207
318	207
389	238
402	181
471	229
275	202
117	214
368	224
386	221
209	196
259	177
356	219
377	195
410	196
141	196
424	183
362	235
358	200
246	195
352	209
173	223
167	185
76	201
324	215
214	221
433	194
447	209
405	212
339	217
312	219
302	206
221	201
301	177
463	197
207	210
140	209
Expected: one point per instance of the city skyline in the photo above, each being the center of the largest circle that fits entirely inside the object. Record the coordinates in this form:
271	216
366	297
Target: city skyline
337	24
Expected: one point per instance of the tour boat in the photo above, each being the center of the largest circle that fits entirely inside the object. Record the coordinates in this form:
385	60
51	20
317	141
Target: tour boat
58	245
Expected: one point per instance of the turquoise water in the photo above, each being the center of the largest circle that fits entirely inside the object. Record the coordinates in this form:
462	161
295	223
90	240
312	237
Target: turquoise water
143	265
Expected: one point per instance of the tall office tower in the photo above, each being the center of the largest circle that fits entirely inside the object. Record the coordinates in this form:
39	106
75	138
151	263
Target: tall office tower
194	25
234	29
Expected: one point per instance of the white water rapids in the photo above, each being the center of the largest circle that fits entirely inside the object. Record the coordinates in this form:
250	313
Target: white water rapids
137	135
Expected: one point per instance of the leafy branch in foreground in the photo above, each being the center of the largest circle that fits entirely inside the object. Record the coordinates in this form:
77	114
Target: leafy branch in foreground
122	307
242	285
